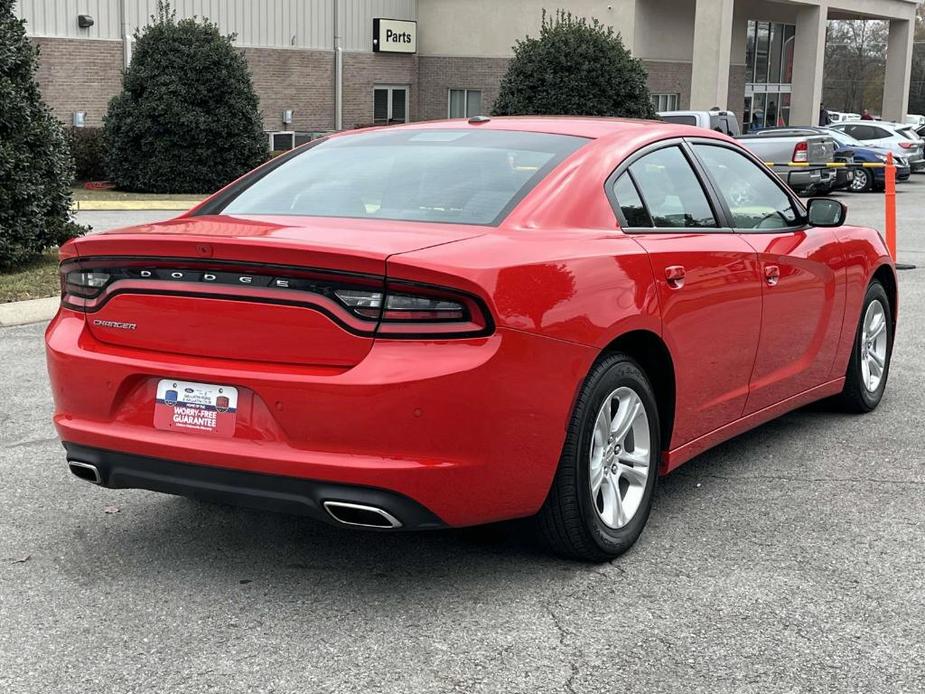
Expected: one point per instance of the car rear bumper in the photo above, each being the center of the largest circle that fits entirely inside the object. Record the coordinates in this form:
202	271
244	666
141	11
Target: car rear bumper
808	181
469	429
276	493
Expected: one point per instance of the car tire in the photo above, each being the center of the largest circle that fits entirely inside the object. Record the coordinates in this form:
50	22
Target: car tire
861	394
863	181
574	518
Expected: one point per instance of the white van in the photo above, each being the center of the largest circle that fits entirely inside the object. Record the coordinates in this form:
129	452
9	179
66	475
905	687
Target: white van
915	120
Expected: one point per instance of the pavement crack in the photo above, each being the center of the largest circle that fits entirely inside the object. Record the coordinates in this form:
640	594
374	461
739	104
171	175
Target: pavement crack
563	636
30	442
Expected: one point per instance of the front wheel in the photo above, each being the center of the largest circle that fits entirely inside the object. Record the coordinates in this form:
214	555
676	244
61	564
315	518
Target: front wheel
869	366
602	493
862	182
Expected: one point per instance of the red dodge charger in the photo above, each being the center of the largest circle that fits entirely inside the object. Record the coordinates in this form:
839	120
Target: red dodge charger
446	324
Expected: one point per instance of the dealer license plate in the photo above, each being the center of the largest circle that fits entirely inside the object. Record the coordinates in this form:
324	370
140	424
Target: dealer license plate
195	408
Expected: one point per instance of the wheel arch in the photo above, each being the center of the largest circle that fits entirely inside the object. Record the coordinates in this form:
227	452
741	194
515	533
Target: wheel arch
652	354
887	277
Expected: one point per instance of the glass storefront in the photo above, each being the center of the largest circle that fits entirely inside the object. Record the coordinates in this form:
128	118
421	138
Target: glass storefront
768	74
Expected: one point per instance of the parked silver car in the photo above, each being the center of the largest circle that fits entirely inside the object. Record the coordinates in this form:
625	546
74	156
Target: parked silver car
900	139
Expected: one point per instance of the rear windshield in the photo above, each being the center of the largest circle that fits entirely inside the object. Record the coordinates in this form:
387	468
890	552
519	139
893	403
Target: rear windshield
456	176
907	133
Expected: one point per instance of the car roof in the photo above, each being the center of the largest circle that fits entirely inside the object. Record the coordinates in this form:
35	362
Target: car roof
577	126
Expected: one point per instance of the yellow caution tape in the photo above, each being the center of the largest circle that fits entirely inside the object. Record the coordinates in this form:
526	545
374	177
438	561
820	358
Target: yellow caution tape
830	164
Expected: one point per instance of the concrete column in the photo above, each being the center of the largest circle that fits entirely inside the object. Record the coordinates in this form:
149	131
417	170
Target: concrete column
898	70
808	61
623	20
712	52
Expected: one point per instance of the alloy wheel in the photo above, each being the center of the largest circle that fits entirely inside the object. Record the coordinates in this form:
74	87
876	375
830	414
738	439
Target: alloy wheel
860	182
873	346
620	457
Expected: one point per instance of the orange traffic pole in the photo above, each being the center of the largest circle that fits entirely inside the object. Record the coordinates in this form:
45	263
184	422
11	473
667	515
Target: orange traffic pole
890	200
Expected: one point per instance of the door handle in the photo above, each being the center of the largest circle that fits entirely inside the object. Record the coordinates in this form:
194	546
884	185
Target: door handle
675	275
771	275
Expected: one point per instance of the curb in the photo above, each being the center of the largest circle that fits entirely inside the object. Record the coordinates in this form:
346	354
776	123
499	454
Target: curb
31	311
134	205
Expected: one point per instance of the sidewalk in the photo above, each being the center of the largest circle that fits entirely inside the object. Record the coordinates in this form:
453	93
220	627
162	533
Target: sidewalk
108	200
31	311
136	205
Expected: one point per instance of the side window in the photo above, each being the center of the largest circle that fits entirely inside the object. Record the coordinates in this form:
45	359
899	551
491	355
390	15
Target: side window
634	212
680	120
671	191
755	200
877	133
855	131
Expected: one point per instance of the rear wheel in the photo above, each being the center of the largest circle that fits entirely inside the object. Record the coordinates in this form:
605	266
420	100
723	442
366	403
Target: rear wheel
602	493
869	367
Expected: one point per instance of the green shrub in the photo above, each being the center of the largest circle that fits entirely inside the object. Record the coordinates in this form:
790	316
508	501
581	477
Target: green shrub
89	151
35	163
188	119
576	67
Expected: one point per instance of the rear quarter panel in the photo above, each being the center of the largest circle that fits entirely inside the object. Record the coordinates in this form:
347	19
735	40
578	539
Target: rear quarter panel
580	286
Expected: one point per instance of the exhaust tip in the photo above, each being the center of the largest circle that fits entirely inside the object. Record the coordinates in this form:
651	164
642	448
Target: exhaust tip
361	516
85	471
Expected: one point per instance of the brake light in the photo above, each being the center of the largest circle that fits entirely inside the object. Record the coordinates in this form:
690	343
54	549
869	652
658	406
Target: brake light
908	145
801	152
367	305
400	307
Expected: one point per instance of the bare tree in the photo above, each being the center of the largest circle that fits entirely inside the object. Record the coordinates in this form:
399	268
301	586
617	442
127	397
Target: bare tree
855	61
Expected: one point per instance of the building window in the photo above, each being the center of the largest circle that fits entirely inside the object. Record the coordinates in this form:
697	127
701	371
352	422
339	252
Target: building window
390	104
465	103
666	102
768	74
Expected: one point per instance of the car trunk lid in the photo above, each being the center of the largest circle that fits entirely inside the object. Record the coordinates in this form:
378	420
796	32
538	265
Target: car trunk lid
258	289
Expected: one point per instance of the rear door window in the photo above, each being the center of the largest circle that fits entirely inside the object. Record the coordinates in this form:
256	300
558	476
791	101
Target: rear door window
861	132
630	202
671	191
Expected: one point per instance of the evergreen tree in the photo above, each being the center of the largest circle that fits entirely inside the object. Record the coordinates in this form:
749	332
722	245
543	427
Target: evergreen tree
576	67
188	119
35	164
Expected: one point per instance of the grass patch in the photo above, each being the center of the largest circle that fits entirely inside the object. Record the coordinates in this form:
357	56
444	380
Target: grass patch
36	280
84	194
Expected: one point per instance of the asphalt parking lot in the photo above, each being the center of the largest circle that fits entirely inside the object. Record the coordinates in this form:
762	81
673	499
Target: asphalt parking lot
791	559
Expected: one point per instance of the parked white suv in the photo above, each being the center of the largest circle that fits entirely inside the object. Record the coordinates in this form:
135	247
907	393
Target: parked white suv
901	139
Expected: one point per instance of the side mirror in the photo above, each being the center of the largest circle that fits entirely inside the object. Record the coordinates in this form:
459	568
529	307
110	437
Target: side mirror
825	212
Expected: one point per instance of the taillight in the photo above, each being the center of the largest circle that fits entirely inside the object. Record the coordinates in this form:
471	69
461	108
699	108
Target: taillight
908	145
801	152
83	284
363	304
408	310
401	307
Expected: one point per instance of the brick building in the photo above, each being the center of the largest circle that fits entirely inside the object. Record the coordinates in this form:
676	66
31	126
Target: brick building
318	60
